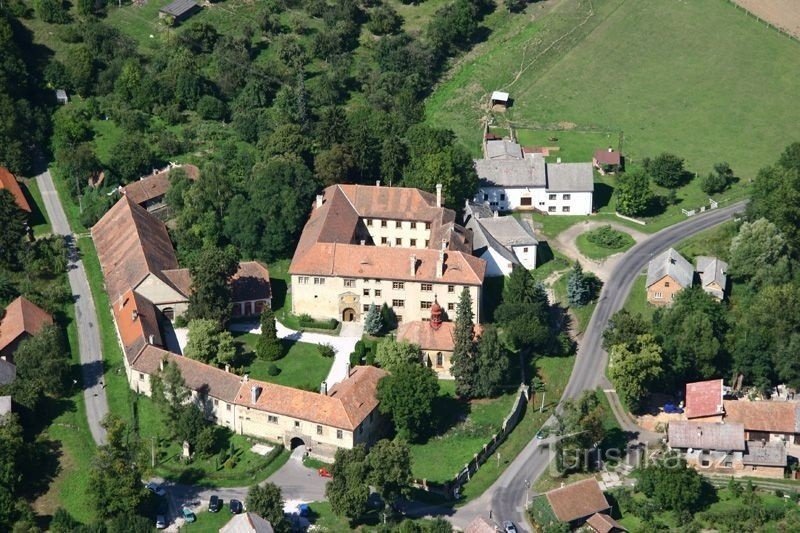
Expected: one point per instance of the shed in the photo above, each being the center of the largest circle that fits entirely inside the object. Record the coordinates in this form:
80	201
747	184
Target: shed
500	98
61	96
179	10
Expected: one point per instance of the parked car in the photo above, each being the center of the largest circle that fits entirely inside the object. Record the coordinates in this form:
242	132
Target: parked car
214	504
672	408
236	506
156	489
188	515
161	522
324	472
509	527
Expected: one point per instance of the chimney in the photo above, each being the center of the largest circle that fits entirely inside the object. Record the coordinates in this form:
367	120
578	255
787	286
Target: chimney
440	264
319	200
496	214
377	183
558	160
412	263
323	388
438	195
161	364
349	370
134	315
151	338
227	368
255	392
245	378
610	149
363	242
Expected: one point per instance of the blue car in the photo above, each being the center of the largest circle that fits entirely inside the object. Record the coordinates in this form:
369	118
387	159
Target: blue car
672	409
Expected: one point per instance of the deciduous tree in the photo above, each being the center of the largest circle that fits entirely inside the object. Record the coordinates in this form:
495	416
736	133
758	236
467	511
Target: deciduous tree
209	343
348	491
169	390
390	470
391	354
633	369
624	328
212	271
633	193
407	396
12	238
759	253
267	501
666	170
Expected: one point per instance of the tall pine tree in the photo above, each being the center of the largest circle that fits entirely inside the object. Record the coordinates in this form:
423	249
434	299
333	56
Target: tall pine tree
465	365
578	286
373	323
268	346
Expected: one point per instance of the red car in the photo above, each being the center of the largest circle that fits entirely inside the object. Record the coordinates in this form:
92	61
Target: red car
324	472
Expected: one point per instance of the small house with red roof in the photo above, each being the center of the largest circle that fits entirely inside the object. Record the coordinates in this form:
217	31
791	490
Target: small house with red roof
573	504
608	161
9	183
20	320
704	400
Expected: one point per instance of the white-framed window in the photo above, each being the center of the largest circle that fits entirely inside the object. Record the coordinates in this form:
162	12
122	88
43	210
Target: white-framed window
319	281
426	287
427	225
413	225
413	242
272	419
141	376
303	280
319	429
551	196
384	240
565	209
366	292
551	209
439	359
666	284
502	197
451	306
398	241
566	196
350	283
368	221
365	308
451	289
425	305
398	303
485	197
228	407
377	293
297	423
525	250
383	223
658	295
339	434
398	285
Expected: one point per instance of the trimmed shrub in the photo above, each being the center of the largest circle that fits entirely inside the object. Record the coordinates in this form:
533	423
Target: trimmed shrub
273	370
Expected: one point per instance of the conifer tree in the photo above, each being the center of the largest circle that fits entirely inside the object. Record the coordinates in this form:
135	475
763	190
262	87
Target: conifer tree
465	365
268	346
578	288
373	323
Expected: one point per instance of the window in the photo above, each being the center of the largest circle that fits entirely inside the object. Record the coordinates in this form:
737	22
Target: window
439	359
297	423
485	197
541	203
319	430
427	243
338	433
369	222
383	223
399	318
493	204
384	240
427	225
551	209
525	250
566	196
366	292
413	225
658	295
377	293
350	283
228	407
565	209
451	289
451	306
426	287
303	280
413	242
398	303
398	285
272	419
425	305
666	284
551	196
365	307
319	281
502	197
398	241
141	376
216	402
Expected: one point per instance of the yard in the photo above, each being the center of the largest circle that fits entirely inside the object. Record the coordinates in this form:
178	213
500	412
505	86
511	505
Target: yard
302	367
681	77
637	299
601	242
582	313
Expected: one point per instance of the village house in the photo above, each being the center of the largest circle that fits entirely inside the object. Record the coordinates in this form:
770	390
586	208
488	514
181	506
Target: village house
9	183
435	339
502	241
576	503
704	400
607	161
512	178
365	245
150	191
179	10
722	448
20	319
765	420
667	274
713	274
247	523
482	524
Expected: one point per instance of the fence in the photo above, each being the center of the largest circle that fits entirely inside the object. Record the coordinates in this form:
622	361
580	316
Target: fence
450	489
630	219
765	22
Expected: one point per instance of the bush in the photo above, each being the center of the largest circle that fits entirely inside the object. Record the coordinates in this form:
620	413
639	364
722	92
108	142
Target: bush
306	321
607	237
273	370
180	322
211	108
326	350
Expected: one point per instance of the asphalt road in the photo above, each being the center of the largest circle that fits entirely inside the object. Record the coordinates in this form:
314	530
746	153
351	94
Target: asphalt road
506	499
85	315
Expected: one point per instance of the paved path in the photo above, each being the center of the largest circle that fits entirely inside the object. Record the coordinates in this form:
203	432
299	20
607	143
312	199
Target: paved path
506	498
85	315
343	344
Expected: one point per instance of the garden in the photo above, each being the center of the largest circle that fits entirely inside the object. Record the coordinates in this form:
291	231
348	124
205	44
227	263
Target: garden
602	242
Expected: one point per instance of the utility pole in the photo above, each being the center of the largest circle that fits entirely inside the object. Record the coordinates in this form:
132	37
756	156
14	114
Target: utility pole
541	409
527	493
153	451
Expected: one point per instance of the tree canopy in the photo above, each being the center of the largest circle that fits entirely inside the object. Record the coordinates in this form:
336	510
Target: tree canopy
406	395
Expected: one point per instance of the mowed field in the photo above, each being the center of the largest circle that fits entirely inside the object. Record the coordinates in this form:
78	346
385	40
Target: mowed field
700	78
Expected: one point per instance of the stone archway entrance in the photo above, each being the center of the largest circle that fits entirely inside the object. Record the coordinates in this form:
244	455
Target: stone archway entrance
348	315
296	442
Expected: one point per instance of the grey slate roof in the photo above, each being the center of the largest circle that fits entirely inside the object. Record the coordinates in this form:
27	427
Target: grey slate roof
498	233
527	172
712	270
765	454
503	149
508	231
179	7
706	435
570	177
8	372
670	263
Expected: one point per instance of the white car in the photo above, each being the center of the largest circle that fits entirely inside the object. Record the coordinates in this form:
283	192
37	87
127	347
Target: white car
161	522
156	489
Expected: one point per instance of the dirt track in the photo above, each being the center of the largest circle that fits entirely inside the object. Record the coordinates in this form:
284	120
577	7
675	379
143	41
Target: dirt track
784	14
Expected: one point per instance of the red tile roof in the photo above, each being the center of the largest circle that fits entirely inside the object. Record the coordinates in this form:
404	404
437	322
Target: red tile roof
421	333
22	316
602	523
131	244
347	404
251	282
481	525
578	500
769	416
606	157
180	279
137	323
704	398
9	182
155	185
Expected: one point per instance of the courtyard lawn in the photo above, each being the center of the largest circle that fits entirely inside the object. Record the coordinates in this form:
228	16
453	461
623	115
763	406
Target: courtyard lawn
594	250
302	367
637	299
682	77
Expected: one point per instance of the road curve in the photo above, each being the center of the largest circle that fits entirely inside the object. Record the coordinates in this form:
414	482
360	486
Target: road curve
506	499
85	314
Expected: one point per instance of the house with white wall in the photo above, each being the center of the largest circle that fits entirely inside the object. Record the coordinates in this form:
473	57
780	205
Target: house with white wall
502	241
516	179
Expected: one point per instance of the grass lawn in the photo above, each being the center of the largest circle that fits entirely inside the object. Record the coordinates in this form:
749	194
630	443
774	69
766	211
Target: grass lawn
208	522
714	242
554	264
681	77
594	250
38	220
583	313
637	299
302	367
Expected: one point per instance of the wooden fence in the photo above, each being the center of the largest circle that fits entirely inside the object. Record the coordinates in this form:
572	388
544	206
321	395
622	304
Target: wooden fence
780	30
